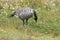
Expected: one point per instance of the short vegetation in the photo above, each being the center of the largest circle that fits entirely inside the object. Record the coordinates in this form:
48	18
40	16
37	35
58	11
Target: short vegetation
46	28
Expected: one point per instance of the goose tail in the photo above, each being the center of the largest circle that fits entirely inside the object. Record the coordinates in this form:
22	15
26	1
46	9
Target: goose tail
12	14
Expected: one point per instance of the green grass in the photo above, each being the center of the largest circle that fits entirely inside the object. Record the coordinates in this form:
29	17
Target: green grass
46	28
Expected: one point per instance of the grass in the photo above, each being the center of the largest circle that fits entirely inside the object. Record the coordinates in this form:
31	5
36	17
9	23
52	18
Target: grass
46	28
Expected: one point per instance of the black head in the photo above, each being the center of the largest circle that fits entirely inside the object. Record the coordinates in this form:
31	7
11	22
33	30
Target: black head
35	18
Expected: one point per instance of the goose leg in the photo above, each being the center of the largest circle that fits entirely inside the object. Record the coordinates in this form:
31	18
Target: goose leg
26	21
23	22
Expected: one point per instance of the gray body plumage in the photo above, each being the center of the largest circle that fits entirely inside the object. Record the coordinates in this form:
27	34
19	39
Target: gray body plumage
24	13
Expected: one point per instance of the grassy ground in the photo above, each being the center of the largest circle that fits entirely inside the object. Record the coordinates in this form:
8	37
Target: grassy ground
24	34
46	28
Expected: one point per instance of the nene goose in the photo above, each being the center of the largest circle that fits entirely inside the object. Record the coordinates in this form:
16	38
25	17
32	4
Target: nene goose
25	14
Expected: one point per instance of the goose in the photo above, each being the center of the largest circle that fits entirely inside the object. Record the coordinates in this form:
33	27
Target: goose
24	14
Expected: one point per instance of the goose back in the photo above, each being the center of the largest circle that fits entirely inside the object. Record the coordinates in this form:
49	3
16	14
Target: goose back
24	13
